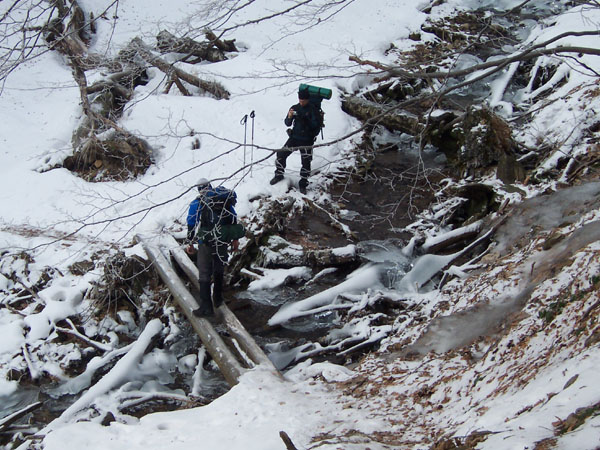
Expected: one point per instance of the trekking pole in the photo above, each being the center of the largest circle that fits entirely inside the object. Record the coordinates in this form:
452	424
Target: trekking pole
244	122
252	115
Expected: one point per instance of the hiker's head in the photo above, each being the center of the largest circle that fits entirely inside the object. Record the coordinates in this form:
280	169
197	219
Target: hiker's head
203	184
303	96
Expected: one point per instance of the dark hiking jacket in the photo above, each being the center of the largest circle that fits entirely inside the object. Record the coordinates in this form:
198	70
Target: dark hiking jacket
305	123
195	213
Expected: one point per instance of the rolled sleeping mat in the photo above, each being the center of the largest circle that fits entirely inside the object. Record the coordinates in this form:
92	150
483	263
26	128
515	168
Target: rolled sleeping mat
316	91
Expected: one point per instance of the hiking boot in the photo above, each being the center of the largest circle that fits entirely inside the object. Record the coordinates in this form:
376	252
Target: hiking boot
276	179
218	290
205	310
302	185
205	307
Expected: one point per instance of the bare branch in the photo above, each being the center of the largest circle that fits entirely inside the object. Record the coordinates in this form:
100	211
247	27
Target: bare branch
530	53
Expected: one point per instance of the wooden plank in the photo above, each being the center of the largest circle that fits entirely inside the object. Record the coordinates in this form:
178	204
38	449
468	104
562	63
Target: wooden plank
235	327
223	357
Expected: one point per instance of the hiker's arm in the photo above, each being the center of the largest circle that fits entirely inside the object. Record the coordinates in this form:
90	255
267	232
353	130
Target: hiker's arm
289	119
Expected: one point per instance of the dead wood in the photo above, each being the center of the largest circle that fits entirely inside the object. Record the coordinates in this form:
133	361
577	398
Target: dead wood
279	253
289	445
211	87
460	235
174	79
221	354
396	120
9	420
71	39
108	85
224	46
201	51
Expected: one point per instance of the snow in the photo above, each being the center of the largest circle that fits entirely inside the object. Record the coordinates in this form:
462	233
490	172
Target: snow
275	278
359	280
120	372
251	415
61	219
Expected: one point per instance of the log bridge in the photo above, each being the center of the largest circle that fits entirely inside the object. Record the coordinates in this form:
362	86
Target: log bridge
235	354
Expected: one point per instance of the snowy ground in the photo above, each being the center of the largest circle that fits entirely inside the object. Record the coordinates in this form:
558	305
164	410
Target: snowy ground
410	403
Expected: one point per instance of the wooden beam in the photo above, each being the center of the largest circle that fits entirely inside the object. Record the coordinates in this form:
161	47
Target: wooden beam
235	327
222	355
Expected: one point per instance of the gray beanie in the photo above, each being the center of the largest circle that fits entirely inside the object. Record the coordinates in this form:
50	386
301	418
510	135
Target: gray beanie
202	184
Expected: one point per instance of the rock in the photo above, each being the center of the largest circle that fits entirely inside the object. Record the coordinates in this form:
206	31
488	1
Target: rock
108	419
479	143
480	201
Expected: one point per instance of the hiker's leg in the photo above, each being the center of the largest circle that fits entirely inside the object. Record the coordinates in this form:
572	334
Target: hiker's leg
280	162
306	158
205	264
204	261
220	257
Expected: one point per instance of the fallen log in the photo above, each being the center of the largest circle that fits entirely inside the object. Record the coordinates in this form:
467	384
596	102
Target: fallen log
441	242
279	253
202	51
220	353
224	46
211	87
237	330
69	39
366	110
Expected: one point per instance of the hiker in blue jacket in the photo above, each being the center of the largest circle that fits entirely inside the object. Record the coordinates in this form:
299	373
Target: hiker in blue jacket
204	220
303	117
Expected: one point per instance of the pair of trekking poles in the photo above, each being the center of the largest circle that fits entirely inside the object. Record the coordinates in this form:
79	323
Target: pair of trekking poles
244	122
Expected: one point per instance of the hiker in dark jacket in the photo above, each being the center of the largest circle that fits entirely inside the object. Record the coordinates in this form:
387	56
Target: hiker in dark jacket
303	117
212	252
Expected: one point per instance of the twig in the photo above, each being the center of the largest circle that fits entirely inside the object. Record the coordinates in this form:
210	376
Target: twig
73	332
32	370
289	445
137	398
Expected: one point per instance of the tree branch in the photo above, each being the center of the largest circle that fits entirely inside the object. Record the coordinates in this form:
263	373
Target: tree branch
523	56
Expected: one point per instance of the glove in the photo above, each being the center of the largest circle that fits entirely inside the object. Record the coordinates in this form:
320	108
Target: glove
235	245
190	249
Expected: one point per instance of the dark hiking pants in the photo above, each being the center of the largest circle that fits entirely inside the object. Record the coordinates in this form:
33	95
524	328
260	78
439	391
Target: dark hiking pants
305	158
211	260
